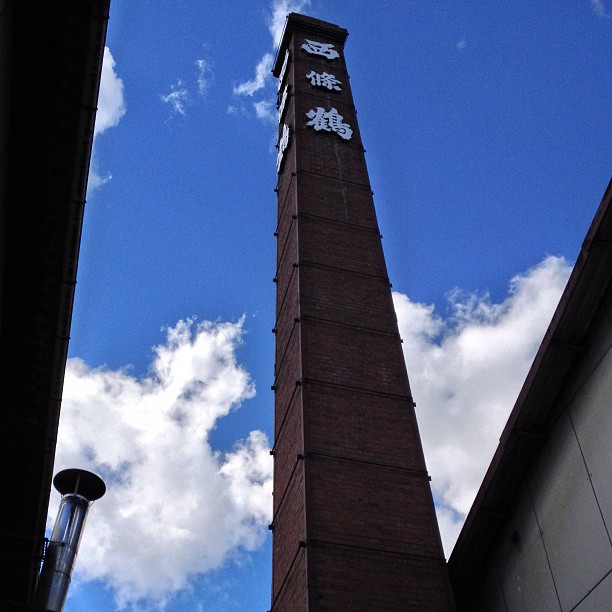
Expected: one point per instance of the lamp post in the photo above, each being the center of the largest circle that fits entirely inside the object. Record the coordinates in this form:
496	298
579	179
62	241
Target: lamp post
78	488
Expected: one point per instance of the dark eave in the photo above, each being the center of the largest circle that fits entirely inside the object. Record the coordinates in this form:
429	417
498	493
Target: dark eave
537	406
50	64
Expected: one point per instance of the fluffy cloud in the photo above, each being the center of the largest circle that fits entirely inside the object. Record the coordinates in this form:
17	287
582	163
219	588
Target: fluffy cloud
276	23
265	110
466	373
111	103
111	107
174	506
180	97
177	99
262	73
280	10
96	180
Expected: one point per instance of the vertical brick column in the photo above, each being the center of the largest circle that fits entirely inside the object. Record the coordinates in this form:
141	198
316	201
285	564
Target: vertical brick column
354	526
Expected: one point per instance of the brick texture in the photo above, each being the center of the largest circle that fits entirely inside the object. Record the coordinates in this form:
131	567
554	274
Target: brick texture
354	526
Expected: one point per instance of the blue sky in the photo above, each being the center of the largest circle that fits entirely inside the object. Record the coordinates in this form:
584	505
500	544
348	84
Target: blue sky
488	130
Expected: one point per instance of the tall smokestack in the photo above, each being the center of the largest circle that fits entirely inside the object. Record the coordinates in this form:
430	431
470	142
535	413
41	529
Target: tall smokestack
78	488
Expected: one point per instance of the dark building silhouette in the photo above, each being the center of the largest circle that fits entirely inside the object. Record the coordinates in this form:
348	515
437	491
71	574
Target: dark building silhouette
50	62
354	526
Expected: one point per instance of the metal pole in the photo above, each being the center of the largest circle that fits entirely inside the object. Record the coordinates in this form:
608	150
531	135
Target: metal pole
78	488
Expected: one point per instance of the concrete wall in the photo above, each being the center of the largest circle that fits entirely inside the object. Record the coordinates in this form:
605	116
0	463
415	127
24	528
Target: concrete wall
556	551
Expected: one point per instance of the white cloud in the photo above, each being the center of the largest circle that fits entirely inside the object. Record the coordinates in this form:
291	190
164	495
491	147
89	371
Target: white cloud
265	110
174	506
599	8
262	74
236	110
111	107
466	374
263	70
204	75
280	10
111	103
178	98
461	44
95	179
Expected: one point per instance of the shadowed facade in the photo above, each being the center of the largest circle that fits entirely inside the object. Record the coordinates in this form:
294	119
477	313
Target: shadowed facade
50	62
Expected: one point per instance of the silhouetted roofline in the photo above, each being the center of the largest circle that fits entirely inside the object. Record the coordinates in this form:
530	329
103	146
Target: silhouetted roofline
50	64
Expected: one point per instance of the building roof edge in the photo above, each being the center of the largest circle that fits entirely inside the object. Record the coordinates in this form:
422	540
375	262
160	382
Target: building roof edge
536	408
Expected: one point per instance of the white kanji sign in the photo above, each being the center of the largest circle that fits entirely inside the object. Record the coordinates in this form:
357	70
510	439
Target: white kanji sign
283	145
324	79
281	76
330	121
281	108
318	48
